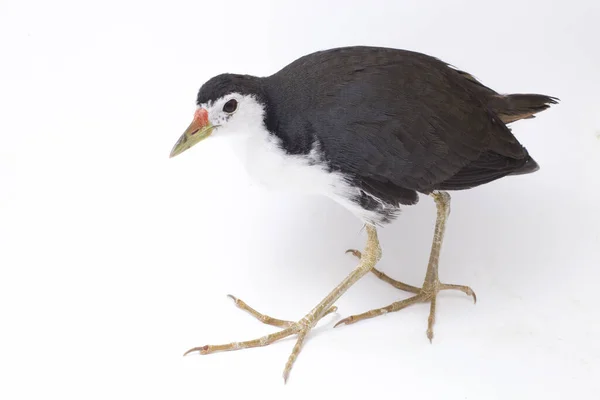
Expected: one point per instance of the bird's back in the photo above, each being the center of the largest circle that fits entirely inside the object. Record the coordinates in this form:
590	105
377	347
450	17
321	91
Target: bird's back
398	122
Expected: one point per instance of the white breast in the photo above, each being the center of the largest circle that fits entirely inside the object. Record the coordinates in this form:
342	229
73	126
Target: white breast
267	163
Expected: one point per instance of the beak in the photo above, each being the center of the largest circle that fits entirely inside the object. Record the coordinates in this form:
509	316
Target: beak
199	129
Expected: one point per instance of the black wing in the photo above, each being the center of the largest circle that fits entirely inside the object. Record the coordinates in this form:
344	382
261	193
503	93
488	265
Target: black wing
398	122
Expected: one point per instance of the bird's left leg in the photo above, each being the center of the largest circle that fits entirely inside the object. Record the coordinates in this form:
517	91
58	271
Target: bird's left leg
369	258
431	285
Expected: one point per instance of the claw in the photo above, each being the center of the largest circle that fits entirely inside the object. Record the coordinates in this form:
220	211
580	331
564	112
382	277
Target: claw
201	350
355	253
465	289
345	321
237	301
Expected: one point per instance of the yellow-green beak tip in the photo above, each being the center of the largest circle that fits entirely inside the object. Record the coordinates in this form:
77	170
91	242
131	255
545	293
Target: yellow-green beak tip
199	129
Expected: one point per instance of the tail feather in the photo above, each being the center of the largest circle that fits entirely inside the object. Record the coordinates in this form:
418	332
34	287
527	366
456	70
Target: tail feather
513	107
510	107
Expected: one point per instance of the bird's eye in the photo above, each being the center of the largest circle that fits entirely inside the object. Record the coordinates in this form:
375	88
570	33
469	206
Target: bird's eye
230	106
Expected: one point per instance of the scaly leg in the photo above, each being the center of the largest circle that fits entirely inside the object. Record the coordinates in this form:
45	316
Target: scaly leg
369	258
397	284
265	319
431	285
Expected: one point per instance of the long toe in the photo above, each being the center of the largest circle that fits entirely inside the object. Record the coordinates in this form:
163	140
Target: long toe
424	295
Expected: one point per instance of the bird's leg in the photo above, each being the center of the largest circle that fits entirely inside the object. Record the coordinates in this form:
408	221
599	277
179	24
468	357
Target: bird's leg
431	285
397	284
369	258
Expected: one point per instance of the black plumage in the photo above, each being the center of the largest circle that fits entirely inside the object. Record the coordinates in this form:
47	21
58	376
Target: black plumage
395	122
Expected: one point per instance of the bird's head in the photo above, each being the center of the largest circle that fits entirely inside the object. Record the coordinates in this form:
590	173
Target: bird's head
226	105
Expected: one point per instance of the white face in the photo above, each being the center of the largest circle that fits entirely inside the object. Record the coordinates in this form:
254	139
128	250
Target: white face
235	114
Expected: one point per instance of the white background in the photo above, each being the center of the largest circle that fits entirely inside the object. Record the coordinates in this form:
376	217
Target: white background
115	259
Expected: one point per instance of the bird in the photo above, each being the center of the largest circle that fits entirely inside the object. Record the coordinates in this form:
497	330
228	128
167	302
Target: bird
373	129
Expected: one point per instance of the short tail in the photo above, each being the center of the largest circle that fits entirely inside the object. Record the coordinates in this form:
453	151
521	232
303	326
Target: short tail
513	107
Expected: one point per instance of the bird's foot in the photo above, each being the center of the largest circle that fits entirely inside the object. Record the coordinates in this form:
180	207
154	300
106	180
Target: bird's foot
428	293
289	328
